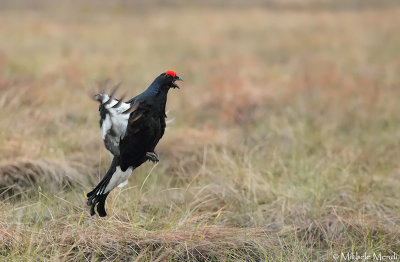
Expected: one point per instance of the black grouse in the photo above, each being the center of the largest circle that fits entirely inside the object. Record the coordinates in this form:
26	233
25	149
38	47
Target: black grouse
131	131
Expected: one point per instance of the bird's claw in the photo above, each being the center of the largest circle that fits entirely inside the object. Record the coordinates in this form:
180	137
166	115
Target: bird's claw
152	156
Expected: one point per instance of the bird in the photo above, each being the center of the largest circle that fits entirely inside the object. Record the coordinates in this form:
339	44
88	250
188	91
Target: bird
130	130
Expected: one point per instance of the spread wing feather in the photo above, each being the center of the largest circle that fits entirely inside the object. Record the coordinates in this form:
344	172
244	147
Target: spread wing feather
113	121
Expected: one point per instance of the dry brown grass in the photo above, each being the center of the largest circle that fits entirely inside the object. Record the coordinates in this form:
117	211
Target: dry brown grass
22	176
285	144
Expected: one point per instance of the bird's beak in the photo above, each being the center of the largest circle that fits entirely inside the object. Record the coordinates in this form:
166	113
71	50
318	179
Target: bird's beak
177	78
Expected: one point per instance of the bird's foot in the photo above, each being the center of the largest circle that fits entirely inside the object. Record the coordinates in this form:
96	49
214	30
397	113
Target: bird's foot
152	156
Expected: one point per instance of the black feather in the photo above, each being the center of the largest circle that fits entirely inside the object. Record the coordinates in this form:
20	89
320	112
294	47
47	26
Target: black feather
97	195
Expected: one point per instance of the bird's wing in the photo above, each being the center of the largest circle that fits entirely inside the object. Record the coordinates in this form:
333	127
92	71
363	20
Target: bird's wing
114	115
143	132
118	119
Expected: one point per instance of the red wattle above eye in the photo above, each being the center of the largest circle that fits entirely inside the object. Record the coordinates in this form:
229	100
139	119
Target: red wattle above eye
171	73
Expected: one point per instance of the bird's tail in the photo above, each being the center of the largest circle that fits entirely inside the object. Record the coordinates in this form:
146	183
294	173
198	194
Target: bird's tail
98	195
100	200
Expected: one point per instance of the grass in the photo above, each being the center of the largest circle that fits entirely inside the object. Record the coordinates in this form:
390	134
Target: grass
285	144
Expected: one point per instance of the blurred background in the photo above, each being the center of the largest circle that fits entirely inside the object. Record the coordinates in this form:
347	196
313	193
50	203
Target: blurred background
288	119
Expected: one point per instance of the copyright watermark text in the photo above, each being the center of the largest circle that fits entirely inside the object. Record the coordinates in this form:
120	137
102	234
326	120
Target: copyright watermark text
374	256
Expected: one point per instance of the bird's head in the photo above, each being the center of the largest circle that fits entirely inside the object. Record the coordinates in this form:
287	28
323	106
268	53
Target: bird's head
169	78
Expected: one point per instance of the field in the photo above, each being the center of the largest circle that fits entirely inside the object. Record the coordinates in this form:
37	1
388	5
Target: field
285	144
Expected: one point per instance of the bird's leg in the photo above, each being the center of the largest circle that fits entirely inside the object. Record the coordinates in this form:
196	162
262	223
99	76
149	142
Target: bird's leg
152	156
